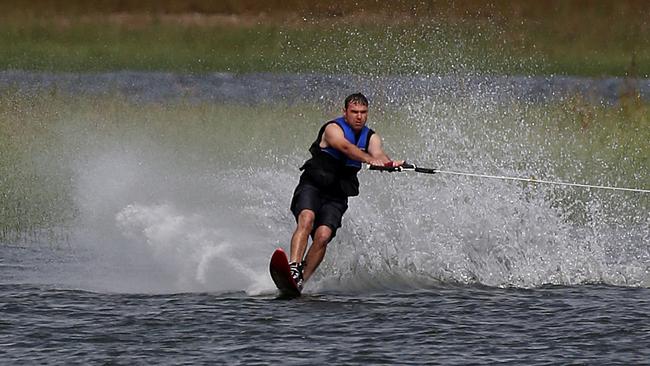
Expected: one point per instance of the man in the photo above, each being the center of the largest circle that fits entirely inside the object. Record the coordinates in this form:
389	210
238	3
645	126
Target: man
329	177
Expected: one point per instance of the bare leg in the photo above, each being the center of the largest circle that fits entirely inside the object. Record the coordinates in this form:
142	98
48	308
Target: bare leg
301	235
316	252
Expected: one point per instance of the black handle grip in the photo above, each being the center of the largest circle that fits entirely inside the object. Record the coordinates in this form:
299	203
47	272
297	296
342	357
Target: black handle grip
384	168
425	170
405	166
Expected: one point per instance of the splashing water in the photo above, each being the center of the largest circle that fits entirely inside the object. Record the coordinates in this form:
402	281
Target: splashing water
195	197
424	230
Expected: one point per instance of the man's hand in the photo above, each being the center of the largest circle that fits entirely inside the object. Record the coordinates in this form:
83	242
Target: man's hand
387	164
377	162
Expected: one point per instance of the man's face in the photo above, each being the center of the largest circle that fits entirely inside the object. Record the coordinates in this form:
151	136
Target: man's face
356	116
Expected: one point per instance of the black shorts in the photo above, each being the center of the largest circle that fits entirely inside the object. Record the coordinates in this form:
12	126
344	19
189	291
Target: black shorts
329	209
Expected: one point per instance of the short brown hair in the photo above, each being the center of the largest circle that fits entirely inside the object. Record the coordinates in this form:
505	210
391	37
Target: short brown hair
356	98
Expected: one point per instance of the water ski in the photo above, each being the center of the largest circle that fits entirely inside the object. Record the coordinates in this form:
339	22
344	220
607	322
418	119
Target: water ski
281	275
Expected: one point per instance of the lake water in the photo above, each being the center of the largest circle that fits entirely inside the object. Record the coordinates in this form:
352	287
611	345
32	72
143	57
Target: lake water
448	325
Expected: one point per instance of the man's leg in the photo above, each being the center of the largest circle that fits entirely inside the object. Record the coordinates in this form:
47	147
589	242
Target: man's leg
301	235
316	252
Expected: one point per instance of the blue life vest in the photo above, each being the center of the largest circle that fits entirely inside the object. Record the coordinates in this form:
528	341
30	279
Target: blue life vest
329	169
361	143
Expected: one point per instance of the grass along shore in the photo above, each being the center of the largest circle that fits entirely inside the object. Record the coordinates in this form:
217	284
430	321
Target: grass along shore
406	37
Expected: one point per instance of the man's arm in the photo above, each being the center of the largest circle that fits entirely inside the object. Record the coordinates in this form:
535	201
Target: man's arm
335	138
376	150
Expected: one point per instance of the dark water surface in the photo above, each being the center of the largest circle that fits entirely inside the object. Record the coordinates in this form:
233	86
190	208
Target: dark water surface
46	319
447	325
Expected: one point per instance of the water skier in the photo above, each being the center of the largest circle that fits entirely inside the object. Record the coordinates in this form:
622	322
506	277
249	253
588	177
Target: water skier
329	177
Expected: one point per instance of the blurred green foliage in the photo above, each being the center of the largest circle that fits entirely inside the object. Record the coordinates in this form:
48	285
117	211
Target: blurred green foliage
591	38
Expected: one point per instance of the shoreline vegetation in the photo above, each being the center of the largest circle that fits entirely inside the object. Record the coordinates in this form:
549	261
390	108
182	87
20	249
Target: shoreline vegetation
553	37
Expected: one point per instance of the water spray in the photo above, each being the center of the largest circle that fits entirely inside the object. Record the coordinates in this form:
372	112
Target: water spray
414	168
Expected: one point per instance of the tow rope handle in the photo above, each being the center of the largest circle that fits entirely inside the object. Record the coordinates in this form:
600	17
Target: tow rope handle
404	167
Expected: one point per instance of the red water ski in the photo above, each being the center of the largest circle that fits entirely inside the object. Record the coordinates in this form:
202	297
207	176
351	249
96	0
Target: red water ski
281	275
